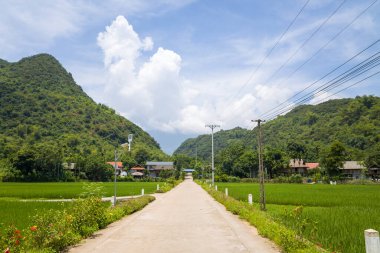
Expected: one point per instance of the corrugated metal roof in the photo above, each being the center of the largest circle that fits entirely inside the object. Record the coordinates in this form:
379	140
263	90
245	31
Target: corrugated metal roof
160	163
352	165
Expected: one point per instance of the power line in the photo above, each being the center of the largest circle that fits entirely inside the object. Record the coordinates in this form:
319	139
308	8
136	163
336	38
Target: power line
272	49
327	87
320	79
331	40
378	72
305	42
361	68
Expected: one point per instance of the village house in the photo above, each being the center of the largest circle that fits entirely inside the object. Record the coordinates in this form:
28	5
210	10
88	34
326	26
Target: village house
137	171
154	168
352	169
297	166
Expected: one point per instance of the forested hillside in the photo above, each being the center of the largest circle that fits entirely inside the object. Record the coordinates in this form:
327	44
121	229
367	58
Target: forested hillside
46	119
307	130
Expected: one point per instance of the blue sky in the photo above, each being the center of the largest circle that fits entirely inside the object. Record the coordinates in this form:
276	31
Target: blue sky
173	66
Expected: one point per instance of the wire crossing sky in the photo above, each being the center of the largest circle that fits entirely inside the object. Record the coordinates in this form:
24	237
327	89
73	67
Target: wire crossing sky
173	66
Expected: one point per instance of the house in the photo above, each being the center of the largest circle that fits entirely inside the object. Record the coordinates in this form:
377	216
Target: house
119	167
155	168
137	171
352	169
297	166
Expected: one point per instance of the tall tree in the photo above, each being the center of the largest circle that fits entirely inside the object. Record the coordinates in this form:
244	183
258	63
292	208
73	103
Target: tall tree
333	158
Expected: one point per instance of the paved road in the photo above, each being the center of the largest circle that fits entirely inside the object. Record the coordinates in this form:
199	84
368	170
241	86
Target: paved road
186	219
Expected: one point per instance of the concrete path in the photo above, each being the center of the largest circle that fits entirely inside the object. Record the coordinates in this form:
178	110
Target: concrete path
186	219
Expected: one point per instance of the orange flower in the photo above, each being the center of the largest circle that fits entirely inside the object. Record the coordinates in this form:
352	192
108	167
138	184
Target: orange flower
33	228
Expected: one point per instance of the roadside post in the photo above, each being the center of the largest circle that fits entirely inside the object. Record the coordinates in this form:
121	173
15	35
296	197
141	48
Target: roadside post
250	199
372	242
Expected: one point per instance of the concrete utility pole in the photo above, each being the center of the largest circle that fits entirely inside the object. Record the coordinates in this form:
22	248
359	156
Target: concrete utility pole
212	127
261	165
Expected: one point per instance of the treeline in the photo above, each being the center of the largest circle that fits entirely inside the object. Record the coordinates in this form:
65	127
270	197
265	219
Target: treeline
240	161
353	122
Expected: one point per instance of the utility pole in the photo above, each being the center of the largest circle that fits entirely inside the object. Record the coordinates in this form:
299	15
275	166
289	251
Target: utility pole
261	165
212	127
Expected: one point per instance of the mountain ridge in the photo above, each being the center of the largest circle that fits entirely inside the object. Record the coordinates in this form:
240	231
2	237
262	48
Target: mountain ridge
352	121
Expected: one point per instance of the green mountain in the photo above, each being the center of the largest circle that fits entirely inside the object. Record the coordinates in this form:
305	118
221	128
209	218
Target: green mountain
354	122
46	118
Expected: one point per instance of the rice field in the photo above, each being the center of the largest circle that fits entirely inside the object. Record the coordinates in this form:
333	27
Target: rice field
14	211
335	216
71	190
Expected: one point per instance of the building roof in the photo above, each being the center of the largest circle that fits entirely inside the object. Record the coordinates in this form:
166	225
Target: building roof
119	164
297	163
188	170
159	163
137	168
311	166
352	165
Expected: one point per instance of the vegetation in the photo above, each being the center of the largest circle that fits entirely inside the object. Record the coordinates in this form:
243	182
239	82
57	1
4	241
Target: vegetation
333	217
47	120
284	237
329	133
54	230
70	190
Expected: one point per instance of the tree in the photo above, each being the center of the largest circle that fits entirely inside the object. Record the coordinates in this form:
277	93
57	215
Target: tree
246	165
296	150
227	157
273	161
142	156
333	158
372	159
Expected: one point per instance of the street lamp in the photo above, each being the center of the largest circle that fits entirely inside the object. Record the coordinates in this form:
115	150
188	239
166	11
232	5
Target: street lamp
212	149
130	138
117	156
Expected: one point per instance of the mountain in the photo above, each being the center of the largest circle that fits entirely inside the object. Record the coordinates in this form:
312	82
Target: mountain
44	111
353	121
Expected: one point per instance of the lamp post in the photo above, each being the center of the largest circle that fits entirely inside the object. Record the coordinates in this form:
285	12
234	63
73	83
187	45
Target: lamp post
130	138
117	156
212	127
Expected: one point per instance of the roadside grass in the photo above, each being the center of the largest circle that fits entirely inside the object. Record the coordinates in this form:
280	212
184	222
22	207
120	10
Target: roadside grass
71	190
53	230
20	214
333	216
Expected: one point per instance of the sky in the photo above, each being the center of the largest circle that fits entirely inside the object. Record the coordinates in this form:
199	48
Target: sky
173	66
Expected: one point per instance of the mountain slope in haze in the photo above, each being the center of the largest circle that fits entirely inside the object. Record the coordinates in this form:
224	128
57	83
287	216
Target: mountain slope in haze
42	105
354	122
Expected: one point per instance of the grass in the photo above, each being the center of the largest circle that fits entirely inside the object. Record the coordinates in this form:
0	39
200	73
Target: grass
19	213
70	190
336	216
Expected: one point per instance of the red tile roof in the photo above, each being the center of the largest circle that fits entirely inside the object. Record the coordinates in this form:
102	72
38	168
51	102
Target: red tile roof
119	164
311	166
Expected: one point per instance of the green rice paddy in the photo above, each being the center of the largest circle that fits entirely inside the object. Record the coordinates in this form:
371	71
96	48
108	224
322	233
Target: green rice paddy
15	211
336	215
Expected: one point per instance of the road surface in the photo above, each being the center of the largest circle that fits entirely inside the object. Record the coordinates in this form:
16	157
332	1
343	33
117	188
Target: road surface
186	219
